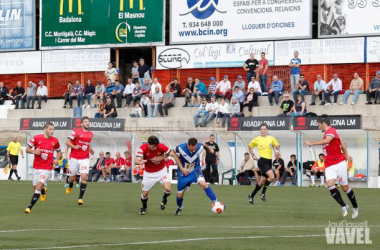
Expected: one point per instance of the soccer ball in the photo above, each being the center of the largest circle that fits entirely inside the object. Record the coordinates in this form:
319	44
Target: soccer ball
217	207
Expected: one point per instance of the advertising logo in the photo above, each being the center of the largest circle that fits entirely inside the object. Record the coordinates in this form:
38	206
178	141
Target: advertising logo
131	4
301	121
234	124
202	9
70	6
122	31
173	58
12	15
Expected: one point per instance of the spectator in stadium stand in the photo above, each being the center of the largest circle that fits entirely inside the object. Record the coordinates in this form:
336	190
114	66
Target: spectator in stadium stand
255	85
137	92
135	72
137	113
337	85
157	99
251	65
168	102
99	92
128	164
212	87
251	100
275	90
109	109
263	68
119	164
100	112
40	94
212	111
356	88
291	170
278	166
156	83
223	88
146	105
235	108
77	93
300	108
301	88
212	161
3	93
188	90
319	90
240	97
98	167
16	95
111	72
246	167
118	93
66	95
146	87
30	93
373	89
89	92
143	69
286	106
202	111
240	83
108	164
128	91
109	89
223	112
295	70
176	87
200	91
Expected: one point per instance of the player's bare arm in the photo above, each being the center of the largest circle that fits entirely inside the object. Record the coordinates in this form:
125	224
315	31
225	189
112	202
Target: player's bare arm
71	145
176	158
139	160
252	154
321	142
55	162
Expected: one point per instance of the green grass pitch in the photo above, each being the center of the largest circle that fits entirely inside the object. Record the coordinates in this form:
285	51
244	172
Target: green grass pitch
292	218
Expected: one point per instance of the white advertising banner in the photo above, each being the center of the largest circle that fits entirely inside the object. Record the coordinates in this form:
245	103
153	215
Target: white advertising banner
373	49
81	60
202	21
20	62
349	18
321	51
219	55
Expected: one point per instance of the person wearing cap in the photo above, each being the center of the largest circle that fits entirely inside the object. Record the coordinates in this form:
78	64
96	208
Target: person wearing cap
263	68
240	83
286	106
29	93
40	94
275	90
223	87
200	91
301	88
212	87
356	88
253	84
188	90
251	66
373	89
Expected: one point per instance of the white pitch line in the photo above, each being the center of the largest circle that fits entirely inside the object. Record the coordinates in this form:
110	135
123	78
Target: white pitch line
173	241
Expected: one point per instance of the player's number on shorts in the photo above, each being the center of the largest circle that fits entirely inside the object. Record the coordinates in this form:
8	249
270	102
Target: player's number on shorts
83	168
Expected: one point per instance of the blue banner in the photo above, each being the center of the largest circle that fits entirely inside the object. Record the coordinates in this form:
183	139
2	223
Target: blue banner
17	25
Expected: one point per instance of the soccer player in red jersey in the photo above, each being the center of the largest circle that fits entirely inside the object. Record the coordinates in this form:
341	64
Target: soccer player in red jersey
79	141
44	146
336	155
152	154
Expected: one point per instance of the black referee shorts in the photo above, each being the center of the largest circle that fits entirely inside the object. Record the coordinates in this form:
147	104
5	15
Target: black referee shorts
264	165
13	159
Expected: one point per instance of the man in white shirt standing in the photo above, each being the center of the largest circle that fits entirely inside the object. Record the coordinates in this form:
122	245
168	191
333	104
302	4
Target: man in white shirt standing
253	84
336	84
223	87
41	93
128	91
